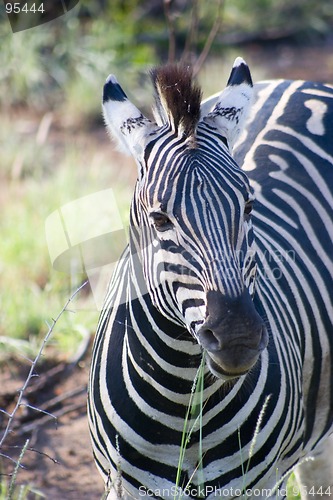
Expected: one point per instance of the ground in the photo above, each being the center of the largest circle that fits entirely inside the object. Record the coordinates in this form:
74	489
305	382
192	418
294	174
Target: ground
61	466
58	462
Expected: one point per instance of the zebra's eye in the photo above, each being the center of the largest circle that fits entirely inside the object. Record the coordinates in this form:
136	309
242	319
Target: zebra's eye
161	221
248	209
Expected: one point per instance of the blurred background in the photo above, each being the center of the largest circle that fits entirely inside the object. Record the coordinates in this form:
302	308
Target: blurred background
53	146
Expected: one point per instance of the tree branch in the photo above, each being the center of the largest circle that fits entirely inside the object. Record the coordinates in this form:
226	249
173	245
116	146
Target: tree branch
210	39
171	29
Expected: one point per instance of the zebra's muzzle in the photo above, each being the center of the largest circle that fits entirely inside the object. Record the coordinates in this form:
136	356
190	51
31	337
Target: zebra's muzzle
233	334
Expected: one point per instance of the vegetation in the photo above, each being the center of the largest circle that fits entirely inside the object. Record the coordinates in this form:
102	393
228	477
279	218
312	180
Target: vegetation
32	291
63	62
50	131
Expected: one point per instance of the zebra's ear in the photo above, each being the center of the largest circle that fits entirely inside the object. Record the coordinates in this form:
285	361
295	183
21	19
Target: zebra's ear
231	107
124	121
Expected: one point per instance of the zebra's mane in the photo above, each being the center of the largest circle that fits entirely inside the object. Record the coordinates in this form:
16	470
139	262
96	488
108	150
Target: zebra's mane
177	98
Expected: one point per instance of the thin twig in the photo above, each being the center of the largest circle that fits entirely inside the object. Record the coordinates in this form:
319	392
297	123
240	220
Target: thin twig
192	34
62	397
38	410
42	453
30	427
46	378
3	455
48	406
49	377
34	363
210	39
171	29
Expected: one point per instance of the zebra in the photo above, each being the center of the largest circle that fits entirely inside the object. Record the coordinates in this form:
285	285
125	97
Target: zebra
227	262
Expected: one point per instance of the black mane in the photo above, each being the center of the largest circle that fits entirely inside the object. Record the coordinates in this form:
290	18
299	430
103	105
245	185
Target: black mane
178	98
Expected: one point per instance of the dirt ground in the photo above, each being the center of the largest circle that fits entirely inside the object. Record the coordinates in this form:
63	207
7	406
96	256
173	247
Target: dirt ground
58	462
62	467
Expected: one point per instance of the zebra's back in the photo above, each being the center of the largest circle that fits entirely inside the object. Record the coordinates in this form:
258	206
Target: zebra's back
287	151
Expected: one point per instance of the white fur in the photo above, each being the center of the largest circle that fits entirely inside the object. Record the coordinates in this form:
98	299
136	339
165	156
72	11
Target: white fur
126	124
237	98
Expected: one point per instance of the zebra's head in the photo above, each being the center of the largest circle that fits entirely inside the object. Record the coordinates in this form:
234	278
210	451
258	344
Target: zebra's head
191	213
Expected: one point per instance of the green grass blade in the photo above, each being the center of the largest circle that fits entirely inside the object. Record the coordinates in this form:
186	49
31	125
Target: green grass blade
194	410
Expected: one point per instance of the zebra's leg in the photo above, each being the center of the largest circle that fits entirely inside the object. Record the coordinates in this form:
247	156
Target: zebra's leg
315	478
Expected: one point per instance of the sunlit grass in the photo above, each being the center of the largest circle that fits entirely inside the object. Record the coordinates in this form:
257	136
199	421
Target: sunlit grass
193	421
31	290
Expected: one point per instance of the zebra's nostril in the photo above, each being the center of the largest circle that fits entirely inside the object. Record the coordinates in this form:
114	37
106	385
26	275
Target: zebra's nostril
208	340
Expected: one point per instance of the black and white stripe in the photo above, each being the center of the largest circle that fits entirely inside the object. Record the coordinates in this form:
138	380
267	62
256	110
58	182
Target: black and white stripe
203	273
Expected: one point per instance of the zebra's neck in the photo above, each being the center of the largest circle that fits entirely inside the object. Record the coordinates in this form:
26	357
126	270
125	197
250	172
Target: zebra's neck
161	333
164	354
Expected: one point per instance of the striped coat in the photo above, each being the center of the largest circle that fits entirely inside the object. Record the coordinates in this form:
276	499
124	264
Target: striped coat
203	273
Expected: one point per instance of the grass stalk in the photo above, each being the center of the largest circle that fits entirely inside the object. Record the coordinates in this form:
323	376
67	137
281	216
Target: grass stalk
14	475
194	410
253	441
256	431
241	457
288	474
198	409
